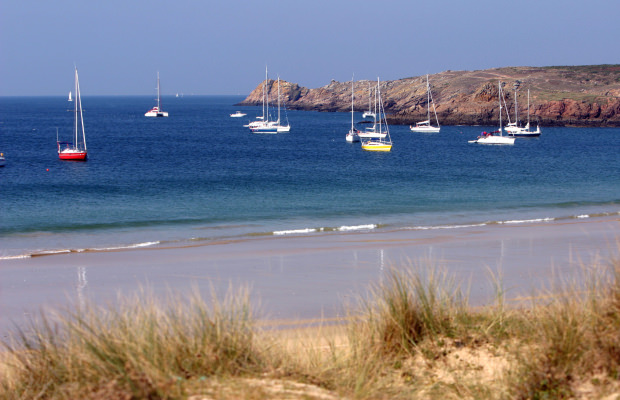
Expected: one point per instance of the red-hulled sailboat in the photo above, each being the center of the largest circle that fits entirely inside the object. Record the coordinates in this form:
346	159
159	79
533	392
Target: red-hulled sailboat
76	150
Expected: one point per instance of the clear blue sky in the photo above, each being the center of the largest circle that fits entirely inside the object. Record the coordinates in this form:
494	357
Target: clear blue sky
222	47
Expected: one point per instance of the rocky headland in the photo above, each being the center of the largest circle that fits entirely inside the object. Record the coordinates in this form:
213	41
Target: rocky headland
559	96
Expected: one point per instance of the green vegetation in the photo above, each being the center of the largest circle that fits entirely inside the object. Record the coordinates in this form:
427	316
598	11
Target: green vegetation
413	335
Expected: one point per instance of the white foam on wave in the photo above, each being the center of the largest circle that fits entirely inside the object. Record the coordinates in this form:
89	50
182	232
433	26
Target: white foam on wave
423	228
17	257
294	231
346	228
130	246
526	221
583	216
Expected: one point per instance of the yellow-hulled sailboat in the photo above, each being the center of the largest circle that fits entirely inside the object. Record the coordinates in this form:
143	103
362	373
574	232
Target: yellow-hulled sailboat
381	143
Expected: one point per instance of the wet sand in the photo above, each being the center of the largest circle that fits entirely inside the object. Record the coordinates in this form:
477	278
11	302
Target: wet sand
311	276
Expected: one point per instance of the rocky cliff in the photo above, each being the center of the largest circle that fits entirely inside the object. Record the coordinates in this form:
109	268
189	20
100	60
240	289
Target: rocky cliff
559	96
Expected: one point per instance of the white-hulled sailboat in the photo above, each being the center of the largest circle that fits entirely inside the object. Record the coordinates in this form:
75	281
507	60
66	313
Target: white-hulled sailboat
491	137
157	111
262	123
353	134
373	132
425	126
76	150
525	131
382	142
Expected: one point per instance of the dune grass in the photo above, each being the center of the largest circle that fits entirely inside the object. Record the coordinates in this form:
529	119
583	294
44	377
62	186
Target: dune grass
413	335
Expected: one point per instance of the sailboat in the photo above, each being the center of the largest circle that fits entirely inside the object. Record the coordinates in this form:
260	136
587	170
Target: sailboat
525	131
157	111
279	126
425	126
75	151
70	99
370	112
382	142
373	132
262	124
491	138
352	135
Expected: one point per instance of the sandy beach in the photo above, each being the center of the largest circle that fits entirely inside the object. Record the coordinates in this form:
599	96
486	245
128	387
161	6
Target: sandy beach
306	277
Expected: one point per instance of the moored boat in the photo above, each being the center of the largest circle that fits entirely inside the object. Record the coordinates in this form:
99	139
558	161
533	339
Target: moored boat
157	111
382	142
76	150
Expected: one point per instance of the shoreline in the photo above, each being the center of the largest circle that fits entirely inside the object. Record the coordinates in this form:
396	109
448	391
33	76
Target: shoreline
309	277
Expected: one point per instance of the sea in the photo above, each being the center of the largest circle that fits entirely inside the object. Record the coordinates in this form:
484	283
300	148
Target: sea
199	176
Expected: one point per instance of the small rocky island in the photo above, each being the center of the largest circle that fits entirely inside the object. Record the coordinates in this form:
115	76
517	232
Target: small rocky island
559	96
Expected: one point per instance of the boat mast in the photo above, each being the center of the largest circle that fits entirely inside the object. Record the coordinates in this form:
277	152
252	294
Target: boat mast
79	99
158	94
266	96
428	101
75	109
516	86
278	99
500	107
378	107
528	108
352	78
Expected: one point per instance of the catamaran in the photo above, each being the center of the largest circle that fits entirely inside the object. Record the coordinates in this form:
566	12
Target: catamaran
157	111
382	140
76	150
491	137
425	126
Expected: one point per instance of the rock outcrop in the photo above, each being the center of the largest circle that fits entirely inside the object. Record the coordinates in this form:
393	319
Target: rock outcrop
559	96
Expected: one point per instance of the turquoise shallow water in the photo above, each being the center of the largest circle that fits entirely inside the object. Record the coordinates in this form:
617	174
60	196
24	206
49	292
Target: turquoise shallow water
199	176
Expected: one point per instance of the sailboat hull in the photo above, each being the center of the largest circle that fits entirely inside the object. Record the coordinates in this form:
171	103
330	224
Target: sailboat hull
491	139
524	134
71	155
376	146
427	129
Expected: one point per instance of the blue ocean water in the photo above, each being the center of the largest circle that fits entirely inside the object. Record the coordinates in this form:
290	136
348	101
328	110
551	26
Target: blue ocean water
199	176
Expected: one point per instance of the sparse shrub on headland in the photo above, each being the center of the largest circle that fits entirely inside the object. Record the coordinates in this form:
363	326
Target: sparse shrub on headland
413	335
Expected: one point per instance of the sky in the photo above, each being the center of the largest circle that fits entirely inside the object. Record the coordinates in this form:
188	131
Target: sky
212	47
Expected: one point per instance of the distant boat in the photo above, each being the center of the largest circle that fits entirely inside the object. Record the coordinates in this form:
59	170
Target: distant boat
70	99
370	112
425	126
525	131
279	126
262	123
491	137
2	160
157	111
75	151
352	135
372	132
238	114
379	143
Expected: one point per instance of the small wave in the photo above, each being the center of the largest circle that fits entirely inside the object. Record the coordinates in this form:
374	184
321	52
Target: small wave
583	216
17	257
346	228
295	231
50	252
423	228
131	246
526	221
